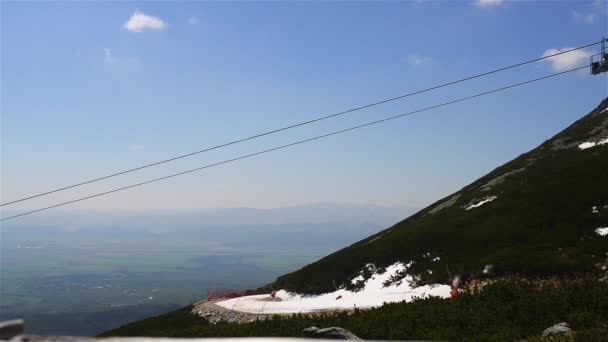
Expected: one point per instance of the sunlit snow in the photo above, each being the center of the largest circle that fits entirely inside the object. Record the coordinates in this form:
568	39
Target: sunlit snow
603	231
482	202
357	279
589	144
373	294
487	269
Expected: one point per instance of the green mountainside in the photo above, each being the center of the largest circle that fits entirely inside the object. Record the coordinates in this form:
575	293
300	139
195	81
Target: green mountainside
536	225
539	217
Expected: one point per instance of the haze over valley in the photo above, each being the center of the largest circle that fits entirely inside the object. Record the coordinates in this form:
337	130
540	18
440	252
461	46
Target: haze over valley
128	266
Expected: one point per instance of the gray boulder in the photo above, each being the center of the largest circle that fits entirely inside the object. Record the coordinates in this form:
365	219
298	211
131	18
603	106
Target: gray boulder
333	333
558	329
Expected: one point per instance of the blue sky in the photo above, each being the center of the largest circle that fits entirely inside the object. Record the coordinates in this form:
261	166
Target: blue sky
88	89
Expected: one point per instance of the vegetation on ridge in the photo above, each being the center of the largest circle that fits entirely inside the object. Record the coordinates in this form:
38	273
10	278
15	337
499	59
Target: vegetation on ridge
502	311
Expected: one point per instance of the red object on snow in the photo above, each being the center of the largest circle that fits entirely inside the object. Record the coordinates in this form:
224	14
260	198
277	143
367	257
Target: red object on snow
273	294
339	297
454	293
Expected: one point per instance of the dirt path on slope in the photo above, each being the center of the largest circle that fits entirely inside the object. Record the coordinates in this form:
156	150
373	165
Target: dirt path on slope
215	313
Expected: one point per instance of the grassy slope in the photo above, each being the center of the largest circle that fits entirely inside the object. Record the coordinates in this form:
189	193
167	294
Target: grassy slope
540	224
504	311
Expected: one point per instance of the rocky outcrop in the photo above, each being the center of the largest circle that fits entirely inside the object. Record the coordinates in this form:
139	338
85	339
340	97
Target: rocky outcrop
215	314
558	329
499	179
10	329
332	333
444	204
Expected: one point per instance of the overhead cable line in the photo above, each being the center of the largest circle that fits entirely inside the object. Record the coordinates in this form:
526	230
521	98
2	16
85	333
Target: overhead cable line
296	143
298	124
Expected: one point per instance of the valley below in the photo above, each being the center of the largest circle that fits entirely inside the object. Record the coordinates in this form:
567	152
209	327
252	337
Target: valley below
91	279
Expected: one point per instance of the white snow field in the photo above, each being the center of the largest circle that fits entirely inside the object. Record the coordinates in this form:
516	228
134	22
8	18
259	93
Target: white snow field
603	231
590	144
372	295
482	202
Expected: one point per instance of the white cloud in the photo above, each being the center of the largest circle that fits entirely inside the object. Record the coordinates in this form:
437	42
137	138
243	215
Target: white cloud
192	21
107	56
140	22
591	13
488	3
600	6
567	60
110	58
417	60
588	18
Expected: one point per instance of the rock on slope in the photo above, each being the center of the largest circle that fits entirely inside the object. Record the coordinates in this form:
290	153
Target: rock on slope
538	215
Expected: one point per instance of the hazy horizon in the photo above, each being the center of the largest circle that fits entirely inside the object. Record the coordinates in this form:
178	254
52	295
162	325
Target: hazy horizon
67	262
308	213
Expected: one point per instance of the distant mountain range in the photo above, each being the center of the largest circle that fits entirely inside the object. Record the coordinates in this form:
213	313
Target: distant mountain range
543	213
324	213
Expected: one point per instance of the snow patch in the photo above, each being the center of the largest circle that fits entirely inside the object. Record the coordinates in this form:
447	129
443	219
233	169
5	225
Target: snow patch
488	269
602	231
589	144
357	279
595	209
373	294
482	202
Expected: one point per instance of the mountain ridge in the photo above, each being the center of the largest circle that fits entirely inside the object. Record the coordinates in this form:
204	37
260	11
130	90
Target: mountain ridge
534	215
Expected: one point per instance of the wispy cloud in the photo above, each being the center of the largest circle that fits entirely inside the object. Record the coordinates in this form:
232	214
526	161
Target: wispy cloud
192	21
588	18
139	22
111	59
600	6
417	60
591	13
568	60
107	56
488	3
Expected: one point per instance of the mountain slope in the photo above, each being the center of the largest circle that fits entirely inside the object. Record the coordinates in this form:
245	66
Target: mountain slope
536	215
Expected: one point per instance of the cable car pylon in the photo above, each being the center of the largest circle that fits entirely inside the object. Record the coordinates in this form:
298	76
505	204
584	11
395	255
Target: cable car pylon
601	65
